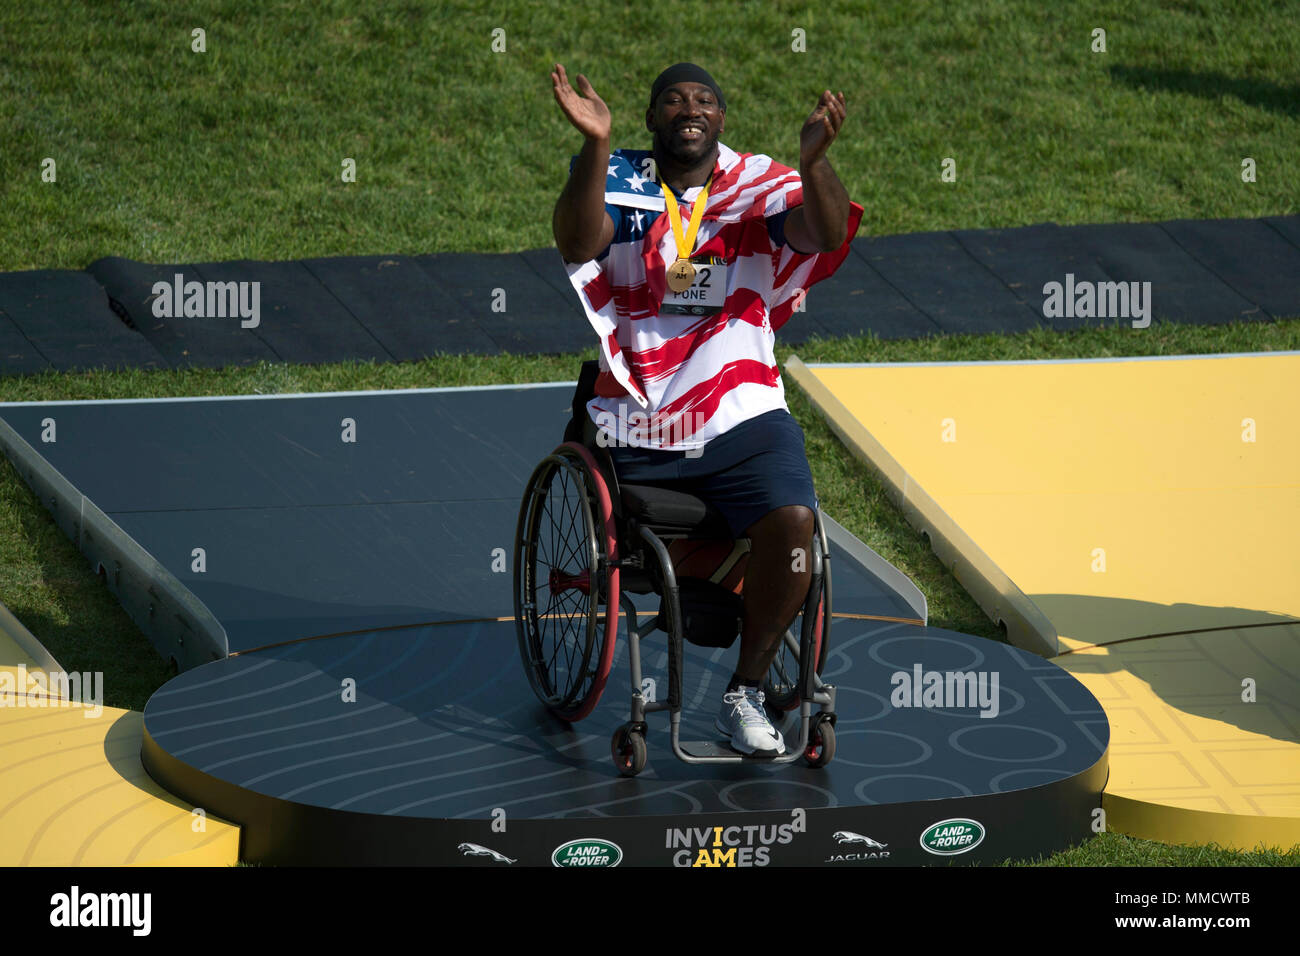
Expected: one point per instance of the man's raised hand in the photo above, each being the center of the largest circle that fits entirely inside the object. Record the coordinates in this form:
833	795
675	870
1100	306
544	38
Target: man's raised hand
821	128
585	110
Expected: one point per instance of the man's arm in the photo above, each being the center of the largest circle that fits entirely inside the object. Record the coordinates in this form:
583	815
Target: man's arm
580	223
821	223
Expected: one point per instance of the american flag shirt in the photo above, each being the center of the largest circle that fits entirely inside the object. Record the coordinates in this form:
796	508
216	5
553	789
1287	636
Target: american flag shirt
674	382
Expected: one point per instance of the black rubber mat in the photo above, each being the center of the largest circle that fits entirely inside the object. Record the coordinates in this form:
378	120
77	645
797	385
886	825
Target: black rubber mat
1182	289
855	301
300	319
183	342
62	320
400	303
518	309
945	283
1025	260
1248	255
18	355
408	307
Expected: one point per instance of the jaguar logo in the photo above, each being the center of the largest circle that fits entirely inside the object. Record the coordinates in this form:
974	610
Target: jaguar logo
848	836
473	849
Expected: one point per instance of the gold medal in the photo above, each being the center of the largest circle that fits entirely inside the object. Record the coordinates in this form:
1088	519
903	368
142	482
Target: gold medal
680	275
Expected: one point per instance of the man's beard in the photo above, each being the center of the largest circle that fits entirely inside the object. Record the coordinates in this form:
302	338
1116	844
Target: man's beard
691	157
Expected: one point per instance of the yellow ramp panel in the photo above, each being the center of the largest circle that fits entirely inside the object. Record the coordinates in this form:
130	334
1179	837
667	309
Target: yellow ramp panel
73	791
1205	734
1122	497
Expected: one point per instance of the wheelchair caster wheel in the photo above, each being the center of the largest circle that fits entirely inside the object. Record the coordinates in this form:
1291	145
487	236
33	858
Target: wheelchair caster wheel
821	744
629	751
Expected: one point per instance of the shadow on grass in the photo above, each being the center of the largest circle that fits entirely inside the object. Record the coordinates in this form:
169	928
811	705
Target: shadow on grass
1264	94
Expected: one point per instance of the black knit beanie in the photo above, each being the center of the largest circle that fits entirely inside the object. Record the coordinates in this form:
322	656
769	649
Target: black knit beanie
686	73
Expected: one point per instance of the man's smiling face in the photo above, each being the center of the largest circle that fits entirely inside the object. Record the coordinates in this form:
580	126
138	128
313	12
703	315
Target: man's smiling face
686	121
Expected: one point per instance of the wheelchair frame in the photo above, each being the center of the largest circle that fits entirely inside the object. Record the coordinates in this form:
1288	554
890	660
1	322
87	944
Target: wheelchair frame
602	587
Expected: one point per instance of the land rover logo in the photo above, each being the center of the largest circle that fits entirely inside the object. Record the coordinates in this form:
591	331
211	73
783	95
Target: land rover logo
589	852
950	837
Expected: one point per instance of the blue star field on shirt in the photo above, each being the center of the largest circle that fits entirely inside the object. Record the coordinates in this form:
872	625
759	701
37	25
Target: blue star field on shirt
634	199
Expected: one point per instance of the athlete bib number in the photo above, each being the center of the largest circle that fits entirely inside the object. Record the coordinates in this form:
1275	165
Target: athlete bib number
705	295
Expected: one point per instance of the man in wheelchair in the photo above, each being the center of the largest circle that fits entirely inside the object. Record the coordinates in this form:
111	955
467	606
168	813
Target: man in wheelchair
686	258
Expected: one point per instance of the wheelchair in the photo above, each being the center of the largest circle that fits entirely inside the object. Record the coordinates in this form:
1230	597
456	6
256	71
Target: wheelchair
584	543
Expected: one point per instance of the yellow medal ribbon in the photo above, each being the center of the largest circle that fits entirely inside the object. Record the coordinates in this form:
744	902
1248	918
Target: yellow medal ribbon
682	273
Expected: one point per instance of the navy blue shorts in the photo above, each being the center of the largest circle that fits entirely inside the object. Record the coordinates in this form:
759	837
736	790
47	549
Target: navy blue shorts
745	472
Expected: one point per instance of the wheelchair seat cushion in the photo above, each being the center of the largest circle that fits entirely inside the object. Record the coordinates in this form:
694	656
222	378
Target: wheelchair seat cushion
664	509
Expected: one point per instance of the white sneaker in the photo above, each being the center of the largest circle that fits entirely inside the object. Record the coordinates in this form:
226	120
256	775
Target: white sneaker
743	720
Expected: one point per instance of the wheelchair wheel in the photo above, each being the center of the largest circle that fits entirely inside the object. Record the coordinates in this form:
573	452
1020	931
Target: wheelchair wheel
566	582
628	748
781	690
821	744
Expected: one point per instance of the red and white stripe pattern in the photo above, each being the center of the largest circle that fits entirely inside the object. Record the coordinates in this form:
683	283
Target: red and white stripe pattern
673	382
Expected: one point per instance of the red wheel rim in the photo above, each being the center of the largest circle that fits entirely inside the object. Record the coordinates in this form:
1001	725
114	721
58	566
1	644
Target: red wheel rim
813	748
604	519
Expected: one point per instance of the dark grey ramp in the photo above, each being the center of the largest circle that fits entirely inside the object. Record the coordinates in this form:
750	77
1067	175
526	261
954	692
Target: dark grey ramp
1247	255
1288	227
18	356
298	527
857	299
67	319
408	312
183	342
937	275
865	584
1182	290
537	317
282	452
300	320
444	731
274	575
304	534
1026	259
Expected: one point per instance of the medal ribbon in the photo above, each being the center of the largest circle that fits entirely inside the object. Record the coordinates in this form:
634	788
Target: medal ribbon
685	243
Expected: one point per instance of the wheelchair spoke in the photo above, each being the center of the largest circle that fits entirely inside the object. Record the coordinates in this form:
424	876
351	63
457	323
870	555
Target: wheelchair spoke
782	674
568	611
574	520
560	585
564	640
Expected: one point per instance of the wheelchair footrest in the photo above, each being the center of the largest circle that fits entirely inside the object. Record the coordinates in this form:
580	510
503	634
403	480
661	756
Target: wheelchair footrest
713	748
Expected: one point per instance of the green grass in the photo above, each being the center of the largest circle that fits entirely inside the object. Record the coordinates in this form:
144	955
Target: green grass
165	155
1116	849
